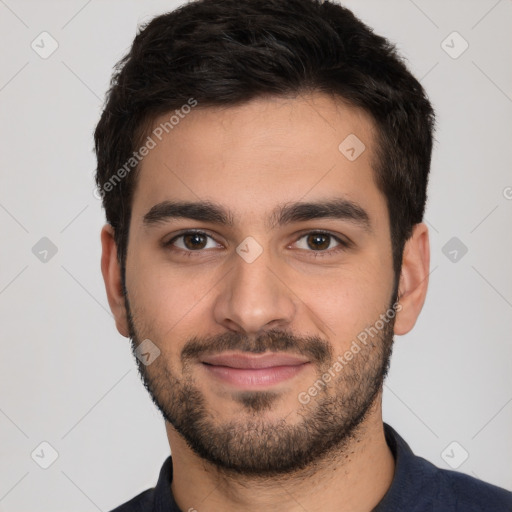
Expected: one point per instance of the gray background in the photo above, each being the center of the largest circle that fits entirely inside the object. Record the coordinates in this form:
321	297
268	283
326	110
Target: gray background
67	376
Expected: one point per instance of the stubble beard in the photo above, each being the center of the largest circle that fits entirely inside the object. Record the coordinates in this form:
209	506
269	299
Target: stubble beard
250	444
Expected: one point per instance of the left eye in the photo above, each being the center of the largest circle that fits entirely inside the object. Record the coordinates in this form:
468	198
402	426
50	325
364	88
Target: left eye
318	242
193	241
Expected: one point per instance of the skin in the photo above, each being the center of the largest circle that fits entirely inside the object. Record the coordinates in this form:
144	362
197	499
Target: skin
251	159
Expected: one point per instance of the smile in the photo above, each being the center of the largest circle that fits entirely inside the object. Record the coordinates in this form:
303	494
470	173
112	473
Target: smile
250	371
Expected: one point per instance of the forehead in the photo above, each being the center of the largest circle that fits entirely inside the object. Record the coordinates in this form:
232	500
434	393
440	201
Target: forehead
257	155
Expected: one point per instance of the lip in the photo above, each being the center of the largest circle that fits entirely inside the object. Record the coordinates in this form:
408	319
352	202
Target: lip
250	371
253	361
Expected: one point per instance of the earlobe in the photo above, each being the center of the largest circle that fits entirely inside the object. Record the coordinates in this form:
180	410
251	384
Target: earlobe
111	270
413	279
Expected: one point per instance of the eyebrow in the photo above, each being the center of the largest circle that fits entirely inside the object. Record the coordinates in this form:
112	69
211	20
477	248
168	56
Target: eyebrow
340	209
206	211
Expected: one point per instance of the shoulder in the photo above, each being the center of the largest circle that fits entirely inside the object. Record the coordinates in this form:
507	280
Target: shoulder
420	486
154	499
466	493
140	503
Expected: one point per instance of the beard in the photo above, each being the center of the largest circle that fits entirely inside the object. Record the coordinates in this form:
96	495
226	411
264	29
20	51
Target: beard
250	444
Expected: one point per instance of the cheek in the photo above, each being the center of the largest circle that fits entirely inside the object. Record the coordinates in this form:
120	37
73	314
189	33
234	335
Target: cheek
168	305
349	300
163	304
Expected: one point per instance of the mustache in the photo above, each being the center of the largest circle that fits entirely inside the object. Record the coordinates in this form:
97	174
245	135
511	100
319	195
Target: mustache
274	340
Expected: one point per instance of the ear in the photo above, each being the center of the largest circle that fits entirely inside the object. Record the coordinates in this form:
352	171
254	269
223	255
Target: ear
111	270
413	284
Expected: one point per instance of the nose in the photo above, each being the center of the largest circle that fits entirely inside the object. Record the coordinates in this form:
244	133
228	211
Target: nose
254	297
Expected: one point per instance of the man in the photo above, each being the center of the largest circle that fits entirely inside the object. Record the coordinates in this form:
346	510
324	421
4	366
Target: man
263	165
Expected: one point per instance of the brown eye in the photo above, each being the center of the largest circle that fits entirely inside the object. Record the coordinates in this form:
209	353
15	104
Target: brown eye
318	241
195	241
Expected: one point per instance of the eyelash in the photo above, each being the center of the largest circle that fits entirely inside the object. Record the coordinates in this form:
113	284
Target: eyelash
342	244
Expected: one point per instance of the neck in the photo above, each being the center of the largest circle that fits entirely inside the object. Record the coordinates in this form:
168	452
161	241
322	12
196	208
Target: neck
354	478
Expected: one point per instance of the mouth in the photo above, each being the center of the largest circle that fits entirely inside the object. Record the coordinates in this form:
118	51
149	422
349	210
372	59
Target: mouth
253	371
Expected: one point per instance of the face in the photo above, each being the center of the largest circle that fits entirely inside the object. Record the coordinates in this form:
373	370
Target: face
259	256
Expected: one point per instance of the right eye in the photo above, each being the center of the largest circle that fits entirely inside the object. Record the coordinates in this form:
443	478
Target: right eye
192	241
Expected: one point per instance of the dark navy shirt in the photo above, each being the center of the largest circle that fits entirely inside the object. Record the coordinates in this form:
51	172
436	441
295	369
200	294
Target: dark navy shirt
418	486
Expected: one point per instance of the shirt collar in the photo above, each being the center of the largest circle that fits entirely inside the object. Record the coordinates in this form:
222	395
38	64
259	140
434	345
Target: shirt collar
412	474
